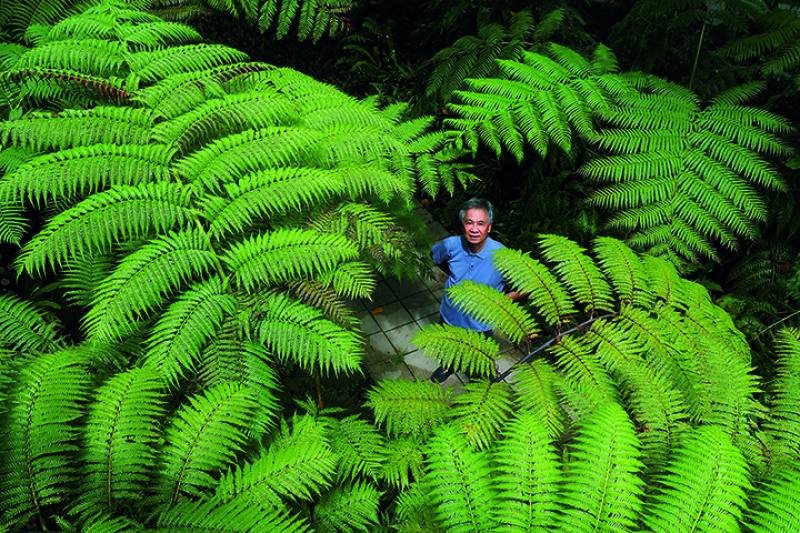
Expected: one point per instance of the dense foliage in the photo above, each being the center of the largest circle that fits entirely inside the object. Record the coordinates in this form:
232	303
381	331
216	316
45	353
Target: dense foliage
188	228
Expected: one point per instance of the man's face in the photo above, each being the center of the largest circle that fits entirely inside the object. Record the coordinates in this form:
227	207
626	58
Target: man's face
476	226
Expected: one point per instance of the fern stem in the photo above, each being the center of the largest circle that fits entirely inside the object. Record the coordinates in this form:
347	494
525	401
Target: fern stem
318	388
555	339
784	319
697	55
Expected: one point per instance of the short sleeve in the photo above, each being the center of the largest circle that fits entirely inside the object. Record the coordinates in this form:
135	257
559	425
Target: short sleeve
440	253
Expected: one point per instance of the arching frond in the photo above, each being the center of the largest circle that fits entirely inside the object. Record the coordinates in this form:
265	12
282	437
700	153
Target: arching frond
583	370
284	254
176	341
783	423
90	56
529	476
239	516
298	332
529	276
402	461
705	485
458	348
350	507
204	437
601	486
777	504
406	407
145	278
40	436
459	483
158	64
313	18
118	468
493	307
624	269
25	328
536	386
482	411
359	447
104	218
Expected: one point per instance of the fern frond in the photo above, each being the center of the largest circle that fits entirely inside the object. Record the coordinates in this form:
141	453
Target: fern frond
83	276
42	131
775	506
81	171
348	508
583	370
536	385
494	308
458	348
177	338
351	280
529	276
145	278
482	411
601	486
104	218
154	65
409	407
359	447
270	193
414	510
13	222
783	422
285	254
297	467
459	483
402	461
293	330
704	488
121	434
529	476
24	328
90	56
40	436
319	294
204	437
239	516
625	271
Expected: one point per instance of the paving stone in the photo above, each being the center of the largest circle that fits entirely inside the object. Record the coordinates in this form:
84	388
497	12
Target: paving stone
379	348
368	324
421	304
420	364
405	287
391	316
381	296
430	319
389	370
401	337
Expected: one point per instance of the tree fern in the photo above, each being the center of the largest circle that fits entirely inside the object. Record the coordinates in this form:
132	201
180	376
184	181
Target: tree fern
236	515
313	18
537	393
482	411
157	64
205	435
40	439
783	423
529	476
491	306
776	504
359	447
705	486
408	407
348	508
458	348
403	461
120	437
24	328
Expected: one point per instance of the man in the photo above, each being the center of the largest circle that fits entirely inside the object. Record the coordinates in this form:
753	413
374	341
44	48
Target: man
468	257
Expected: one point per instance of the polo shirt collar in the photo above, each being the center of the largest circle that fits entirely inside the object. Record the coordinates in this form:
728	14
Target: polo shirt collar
484	253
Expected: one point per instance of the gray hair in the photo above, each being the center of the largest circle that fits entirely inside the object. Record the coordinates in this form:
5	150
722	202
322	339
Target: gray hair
476	203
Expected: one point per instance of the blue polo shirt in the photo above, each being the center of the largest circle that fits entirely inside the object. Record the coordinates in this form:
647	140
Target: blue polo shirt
466	266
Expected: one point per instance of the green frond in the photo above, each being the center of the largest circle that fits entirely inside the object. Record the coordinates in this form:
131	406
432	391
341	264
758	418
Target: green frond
228	159
239	516
82	277
577	271
39	439
110	216
298	466
89	56
204	437
783	422
705	487
321	295
537	386
85	170
351	280
118	466
601	487
359	447
458	348
42	131
459	483
529	476
408	407
53	87
176	341
285	254
145	278
271	193
495	308
776	507
24	328
298	332
150	66
414	510
583	370
624	269
348	508
157	34
217	117
402	461
13	222
529	276
481	412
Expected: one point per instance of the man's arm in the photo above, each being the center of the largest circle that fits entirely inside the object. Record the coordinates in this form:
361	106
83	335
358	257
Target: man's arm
441	256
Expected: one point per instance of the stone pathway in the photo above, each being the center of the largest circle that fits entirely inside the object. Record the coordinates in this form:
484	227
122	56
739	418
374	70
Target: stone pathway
397	311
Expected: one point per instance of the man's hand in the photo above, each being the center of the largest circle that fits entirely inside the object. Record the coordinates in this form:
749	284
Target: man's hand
516	295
